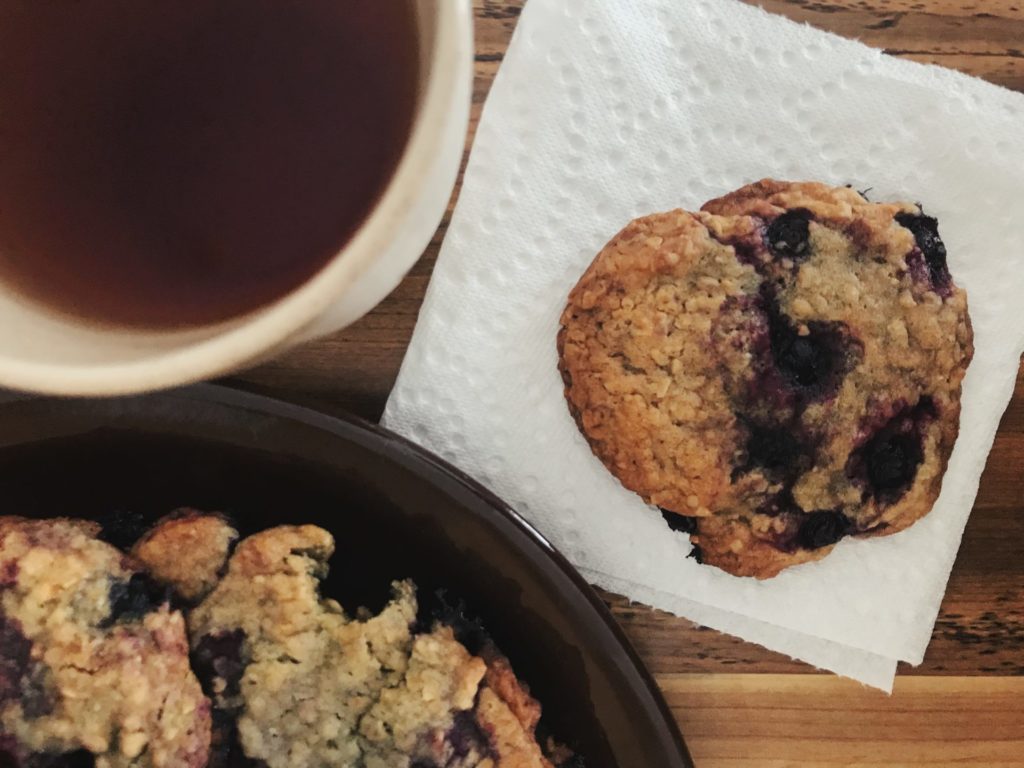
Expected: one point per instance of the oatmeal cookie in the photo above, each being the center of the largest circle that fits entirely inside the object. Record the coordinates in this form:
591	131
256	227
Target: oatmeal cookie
93	662
309	684
784	366
508	714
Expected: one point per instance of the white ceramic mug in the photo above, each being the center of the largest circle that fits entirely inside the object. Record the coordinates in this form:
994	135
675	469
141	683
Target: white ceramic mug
44	351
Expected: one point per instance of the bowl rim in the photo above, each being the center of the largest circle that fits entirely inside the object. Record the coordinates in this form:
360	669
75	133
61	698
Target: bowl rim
410	456
208	351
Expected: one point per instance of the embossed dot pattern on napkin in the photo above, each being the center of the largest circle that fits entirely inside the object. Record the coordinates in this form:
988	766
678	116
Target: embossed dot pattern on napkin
606	111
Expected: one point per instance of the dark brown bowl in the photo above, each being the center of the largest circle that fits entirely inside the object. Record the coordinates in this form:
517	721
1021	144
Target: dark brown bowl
395	510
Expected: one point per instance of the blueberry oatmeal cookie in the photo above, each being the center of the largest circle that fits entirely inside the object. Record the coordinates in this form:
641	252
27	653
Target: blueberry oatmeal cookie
308	684
777	371
93	662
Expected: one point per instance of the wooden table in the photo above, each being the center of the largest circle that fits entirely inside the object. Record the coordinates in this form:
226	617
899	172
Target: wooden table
738	704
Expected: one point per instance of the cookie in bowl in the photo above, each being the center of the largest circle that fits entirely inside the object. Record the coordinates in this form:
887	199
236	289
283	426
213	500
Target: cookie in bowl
783	368
94	663
306	684
295	680
257	668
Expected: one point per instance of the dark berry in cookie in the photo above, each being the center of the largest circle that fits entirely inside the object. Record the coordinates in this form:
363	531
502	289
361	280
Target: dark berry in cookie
219	663
813	357
821	529
775	449
788	235
133	598
8	574
892	462
37	695
886	464
15	650
930	247
466	737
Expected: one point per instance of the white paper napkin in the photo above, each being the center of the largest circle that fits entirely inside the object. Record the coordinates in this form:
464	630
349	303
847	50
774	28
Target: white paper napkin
604	111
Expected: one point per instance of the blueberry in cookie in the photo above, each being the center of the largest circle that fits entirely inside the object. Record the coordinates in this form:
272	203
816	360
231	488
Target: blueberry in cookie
782	367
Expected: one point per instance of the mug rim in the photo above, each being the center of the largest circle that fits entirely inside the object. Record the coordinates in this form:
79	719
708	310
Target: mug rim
269	328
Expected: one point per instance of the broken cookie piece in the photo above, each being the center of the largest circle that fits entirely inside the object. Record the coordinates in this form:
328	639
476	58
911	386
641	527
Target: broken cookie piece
187	551
93	661
310	685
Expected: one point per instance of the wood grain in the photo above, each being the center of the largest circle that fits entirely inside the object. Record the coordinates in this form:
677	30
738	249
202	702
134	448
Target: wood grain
771	721
739	705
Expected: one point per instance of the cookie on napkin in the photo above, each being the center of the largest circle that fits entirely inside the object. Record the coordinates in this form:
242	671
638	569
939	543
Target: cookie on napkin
784	367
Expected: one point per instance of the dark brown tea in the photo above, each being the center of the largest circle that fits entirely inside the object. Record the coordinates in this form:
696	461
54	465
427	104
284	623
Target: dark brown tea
175	162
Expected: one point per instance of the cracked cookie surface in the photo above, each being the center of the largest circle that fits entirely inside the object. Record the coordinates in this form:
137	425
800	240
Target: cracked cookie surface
783	366
93	662
309	684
